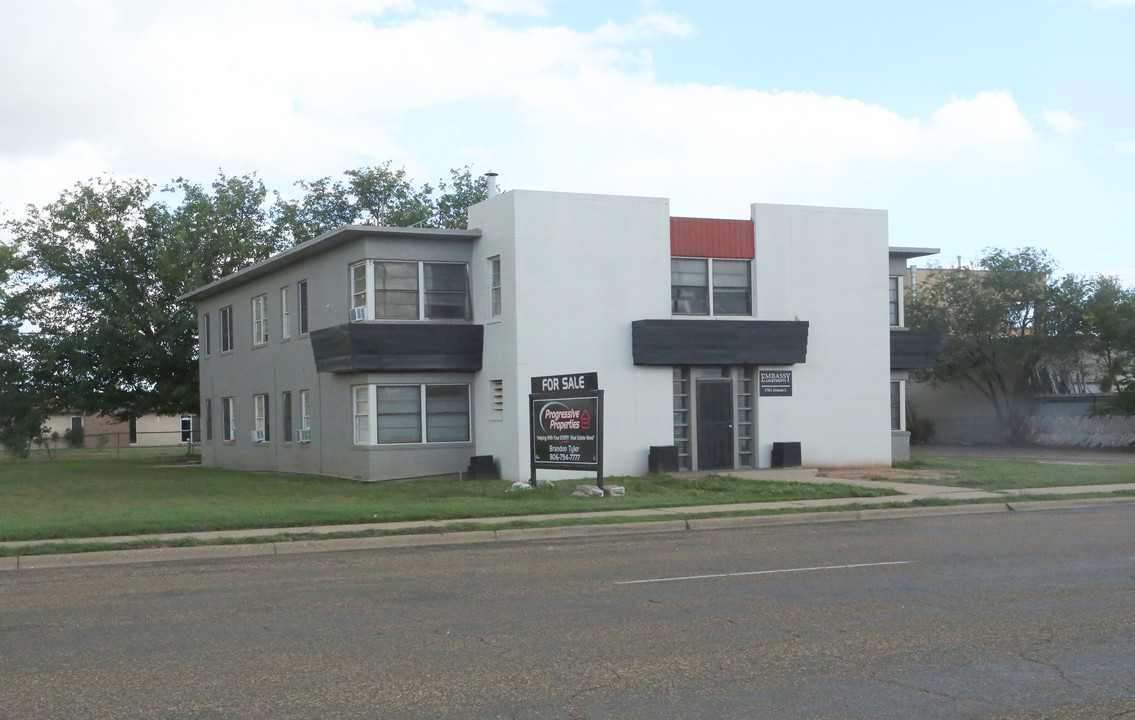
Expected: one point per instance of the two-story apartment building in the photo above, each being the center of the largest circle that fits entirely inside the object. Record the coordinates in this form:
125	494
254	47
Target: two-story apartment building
375	353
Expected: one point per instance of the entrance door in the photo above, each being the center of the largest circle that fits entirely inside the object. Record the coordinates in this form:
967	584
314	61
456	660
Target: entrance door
715	424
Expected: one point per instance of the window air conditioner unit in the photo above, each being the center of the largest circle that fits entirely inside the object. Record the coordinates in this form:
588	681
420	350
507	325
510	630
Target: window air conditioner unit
303	436
257	436
359	313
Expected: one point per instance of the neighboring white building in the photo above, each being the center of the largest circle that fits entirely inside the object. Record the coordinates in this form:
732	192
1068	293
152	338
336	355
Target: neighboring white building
377	353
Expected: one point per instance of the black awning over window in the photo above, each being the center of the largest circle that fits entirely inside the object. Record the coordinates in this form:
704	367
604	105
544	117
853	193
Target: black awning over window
719	342
398	347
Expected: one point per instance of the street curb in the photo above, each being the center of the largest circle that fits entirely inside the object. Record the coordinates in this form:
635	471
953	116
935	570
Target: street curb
562	532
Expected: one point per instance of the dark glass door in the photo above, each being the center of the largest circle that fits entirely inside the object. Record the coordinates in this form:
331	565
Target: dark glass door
715	424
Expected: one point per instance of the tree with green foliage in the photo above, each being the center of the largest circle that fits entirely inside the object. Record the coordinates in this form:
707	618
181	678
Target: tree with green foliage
111	262
22	408
376	195
1002	320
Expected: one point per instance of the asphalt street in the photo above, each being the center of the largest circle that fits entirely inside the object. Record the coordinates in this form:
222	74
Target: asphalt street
1012	615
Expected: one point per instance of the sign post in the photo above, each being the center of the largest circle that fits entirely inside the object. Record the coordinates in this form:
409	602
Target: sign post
565	415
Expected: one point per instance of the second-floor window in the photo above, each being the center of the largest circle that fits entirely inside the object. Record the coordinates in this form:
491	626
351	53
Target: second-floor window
227	329
710	286
259	319
206	336
285	313
301	298
408	290
495	286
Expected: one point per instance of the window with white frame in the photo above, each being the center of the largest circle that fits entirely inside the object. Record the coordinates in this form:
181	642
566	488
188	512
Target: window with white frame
305	413
228	420
409	290
285	313
711	286
227	329
400	414
261	430
362	414
259	319
495	286
895	300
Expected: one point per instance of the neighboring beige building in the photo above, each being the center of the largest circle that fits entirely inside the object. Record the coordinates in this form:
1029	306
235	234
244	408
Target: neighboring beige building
101	431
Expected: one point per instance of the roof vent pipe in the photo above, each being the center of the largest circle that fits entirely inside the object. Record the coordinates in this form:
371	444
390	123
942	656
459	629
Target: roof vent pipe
491	184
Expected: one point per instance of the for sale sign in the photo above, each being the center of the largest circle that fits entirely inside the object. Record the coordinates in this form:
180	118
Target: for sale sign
567	430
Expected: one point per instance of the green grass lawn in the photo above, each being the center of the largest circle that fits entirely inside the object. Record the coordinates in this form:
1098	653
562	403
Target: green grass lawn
1016	474
105	494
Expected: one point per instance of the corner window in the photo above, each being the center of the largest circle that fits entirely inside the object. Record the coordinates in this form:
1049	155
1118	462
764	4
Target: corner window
208	419
388	414
259	319
898	417
206	335
495	286
408	290
693	293
303	435
227	329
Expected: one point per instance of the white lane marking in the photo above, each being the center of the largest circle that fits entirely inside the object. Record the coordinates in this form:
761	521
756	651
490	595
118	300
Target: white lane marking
764	572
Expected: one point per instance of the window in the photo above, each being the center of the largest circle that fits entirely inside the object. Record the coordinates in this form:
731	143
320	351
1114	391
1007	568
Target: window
731	287
301	296
692	293
227	329
402	290
133	428
498	399
362	414
359	286
285	314
495	285
396	290
259	319
208	419
262	428
305	418
206	335
895	300
447	291
387	414
689	286
186	429
228	420
286	403
898	419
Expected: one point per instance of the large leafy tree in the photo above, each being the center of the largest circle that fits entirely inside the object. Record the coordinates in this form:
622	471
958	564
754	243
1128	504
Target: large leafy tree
111	261
1003	320
22	406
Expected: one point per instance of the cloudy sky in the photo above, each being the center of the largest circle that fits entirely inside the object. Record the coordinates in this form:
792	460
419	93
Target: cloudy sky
974	123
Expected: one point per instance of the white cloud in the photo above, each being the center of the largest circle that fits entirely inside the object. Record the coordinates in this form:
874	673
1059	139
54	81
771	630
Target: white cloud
301	88
1061	121
1127	146
510	7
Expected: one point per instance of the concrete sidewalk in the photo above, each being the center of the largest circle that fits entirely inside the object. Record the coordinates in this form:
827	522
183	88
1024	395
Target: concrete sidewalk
436	532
